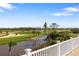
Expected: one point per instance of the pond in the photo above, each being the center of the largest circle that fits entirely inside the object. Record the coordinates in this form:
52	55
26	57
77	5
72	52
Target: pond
18	49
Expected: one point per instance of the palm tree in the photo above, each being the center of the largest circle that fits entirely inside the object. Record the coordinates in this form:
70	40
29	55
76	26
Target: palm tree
11	44
45	27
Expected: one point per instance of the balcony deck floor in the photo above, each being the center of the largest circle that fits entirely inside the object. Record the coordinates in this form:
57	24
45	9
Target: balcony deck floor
75	52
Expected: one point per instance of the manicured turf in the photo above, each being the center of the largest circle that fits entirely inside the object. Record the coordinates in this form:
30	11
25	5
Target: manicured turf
24	37
15	39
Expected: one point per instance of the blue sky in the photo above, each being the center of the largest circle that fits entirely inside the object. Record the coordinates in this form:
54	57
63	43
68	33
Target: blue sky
35	15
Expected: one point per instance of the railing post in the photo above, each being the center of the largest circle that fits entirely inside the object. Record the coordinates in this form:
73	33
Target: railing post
28	51
58	47
72	46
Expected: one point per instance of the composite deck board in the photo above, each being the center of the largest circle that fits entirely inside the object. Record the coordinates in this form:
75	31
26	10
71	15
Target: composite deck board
75	52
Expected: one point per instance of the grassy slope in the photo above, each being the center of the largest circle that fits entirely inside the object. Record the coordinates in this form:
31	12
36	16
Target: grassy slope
15	39
25	36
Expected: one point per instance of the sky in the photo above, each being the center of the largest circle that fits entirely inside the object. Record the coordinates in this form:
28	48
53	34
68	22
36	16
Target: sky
36	14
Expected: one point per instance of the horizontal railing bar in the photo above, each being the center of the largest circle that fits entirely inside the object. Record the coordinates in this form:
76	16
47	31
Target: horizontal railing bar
42	51
44	48
52	45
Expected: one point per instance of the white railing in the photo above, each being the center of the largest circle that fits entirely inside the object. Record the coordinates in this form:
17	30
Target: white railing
58	49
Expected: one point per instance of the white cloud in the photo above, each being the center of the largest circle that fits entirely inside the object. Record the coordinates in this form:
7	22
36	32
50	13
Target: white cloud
6	6
71	9
62	14
67	11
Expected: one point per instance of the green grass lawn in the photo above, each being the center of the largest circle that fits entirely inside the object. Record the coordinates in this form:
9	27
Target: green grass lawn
15	39
24	37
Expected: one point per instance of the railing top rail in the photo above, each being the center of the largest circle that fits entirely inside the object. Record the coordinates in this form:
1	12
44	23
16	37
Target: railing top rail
52	45
44	48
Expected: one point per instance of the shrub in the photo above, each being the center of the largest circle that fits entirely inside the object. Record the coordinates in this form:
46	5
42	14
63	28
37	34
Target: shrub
62	36
75	30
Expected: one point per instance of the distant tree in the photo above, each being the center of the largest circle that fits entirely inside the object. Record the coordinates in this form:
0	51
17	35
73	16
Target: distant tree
7	33
54	25
11	44
0	32
33	32
38	33
16	33
45	27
